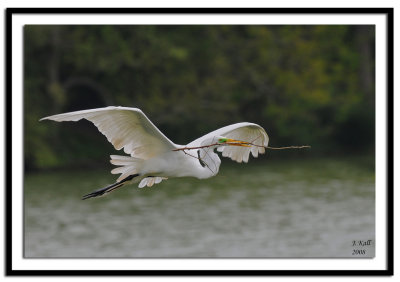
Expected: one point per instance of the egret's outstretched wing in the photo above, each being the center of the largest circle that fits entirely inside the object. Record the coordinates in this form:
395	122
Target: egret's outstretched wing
127	128
244	131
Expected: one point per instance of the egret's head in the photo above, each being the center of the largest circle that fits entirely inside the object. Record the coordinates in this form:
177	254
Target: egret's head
232	142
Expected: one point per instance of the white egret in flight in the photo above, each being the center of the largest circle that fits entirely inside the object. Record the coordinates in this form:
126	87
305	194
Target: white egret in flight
154	158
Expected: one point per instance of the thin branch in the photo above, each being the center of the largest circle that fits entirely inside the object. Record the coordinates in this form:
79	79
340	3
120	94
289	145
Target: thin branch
289	147
243	143
194	148
237	143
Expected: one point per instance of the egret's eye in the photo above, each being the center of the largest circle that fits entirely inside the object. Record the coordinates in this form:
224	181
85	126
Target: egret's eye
222	140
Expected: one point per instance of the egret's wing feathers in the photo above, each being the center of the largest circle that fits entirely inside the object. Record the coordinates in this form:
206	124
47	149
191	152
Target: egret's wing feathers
127	128
244	131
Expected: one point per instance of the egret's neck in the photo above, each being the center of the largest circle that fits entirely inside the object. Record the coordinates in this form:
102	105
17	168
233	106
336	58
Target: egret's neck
208	163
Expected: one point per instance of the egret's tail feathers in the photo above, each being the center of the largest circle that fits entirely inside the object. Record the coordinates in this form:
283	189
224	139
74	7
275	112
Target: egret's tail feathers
109	188
127	166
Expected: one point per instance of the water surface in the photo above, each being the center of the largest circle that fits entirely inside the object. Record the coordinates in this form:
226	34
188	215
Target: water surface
294	208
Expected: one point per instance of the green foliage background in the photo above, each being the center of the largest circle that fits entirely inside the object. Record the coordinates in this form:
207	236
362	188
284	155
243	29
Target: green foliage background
304	84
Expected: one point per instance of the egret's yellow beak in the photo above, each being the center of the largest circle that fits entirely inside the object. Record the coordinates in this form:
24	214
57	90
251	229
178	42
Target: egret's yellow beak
233	142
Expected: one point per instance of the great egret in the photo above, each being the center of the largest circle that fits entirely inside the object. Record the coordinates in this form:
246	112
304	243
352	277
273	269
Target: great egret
154	158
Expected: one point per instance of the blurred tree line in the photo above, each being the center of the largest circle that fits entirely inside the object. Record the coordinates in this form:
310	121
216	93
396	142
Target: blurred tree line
304	84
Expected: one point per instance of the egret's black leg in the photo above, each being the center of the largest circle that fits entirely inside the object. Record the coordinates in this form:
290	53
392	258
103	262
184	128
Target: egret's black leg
109	188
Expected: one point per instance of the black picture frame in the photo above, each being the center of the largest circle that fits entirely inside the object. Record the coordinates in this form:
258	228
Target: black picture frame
10	271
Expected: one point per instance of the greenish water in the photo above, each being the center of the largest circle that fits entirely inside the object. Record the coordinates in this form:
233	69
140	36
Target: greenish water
293	208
